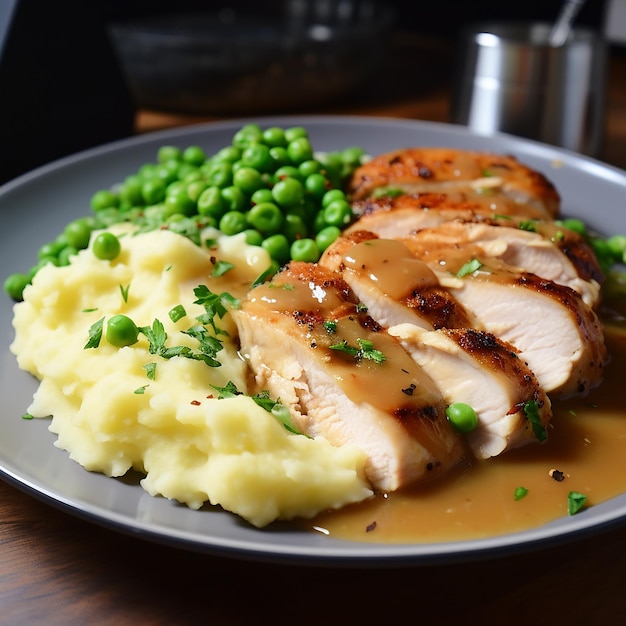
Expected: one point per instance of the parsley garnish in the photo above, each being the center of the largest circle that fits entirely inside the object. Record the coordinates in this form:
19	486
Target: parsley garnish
575	502
150	370
361	308
263	277
124	292
520	492
28	416
140	390
364	351
176	313
221	267
469	268
155	335
95	334
330	326
531	410
275	407
528	225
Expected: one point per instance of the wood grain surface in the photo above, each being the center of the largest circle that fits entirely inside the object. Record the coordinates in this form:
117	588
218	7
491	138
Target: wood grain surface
59	569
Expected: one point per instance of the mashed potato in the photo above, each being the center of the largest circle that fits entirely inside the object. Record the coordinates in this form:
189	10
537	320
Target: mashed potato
114	409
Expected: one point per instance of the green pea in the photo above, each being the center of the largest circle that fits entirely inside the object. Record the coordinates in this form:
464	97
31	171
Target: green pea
326	236
462	416
279	157
300	150
168	171
130	191
147	170
352	156
338	213
235	198
288	192
194	155
294	227
578	226
211	203
195	189
305	250
121	331
274	136
262	195
308	167
266	217
247	135
179	202
258	157
220	174
288	171
295	132
253	237
106	246
331	195
277	246
65	254
617	246
233	222
169	153
77	233
184	169
51	248
15	284
153	190
248	179
230	154
103	199
316	185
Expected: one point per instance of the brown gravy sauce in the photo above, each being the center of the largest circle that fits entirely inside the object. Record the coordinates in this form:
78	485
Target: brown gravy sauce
587	443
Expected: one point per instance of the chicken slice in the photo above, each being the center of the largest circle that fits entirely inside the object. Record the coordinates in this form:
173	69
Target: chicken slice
412	211
556	333
393	284
345	378
427	169
476	368
526	250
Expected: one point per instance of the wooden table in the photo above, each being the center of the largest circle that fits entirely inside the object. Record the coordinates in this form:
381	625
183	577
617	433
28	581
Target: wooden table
58	569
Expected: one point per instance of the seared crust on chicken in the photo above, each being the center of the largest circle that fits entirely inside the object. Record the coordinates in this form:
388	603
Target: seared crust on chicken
418	170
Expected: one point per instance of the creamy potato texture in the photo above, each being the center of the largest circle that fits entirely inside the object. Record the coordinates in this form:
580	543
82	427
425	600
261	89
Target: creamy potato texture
113	410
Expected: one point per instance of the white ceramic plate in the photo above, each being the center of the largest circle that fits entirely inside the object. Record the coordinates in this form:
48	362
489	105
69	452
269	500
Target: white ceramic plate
36	207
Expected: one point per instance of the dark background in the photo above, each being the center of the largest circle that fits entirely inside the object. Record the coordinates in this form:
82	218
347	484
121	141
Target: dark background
61	88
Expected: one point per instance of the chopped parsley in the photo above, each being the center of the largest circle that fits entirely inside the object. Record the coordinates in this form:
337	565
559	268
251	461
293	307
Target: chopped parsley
124	291
140	390
221	267
575	502
275	407
520	492
177	313
95	334
150	370
469	268
531	410
330	326
364	351
529	225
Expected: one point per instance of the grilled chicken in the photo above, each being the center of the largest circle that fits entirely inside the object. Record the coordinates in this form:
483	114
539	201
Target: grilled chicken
476	368
572	264
344	377
395	286
442	170
555	332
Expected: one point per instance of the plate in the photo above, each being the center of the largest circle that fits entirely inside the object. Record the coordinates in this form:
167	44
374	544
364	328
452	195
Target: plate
36	206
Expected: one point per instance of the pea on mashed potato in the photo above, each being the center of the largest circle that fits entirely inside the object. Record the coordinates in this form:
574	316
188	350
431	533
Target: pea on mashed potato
114	409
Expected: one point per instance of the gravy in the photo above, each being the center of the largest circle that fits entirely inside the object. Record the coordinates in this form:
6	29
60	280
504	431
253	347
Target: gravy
587	442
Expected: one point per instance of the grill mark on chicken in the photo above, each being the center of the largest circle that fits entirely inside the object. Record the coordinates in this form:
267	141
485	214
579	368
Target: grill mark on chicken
333	393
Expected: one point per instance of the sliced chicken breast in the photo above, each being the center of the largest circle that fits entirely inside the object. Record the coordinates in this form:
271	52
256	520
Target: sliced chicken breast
526	250
343	377
392	283
476	368
440	170
556	333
